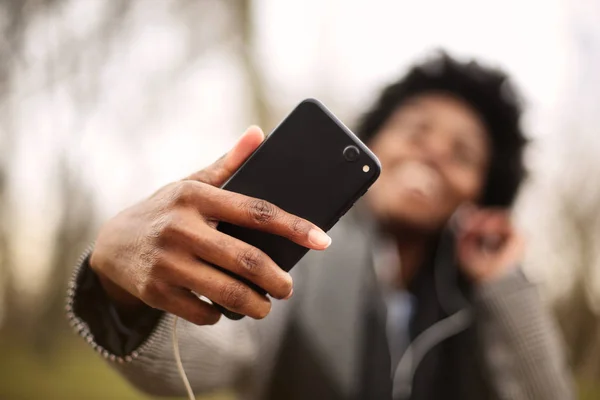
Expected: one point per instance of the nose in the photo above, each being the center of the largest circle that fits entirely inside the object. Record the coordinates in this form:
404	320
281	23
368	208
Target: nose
436	148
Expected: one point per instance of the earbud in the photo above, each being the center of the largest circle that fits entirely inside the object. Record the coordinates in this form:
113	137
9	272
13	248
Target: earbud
456	221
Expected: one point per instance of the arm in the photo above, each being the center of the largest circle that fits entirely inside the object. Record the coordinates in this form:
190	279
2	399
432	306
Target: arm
521	345
155	258
215	357
222	356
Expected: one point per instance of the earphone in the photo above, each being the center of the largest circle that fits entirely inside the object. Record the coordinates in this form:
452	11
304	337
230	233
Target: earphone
452	301
177	355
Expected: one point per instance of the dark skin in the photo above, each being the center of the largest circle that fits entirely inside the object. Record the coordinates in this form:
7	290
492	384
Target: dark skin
157	251
434	155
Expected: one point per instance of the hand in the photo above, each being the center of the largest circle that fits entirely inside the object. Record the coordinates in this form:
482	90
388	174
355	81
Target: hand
488	246
161	249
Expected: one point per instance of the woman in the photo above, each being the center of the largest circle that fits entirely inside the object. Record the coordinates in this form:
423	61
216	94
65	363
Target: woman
419	295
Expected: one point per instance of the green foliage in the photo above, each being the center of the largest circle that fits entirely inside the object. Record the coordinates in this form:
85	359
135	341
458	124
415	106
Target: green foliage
71	371
588	389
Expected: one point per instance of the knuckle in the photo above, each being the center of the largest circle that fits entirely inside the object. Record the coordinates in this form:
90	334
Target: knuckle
211	175
159	230
166	227
152	294
263	311
149	257
298	226
250	261
262	212
183	192
235	295
199	319
284	287
203	317
161	267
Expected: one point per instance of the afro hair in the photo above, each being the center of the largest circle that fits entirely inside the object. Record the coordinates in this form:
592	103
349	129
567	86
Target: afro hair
489	92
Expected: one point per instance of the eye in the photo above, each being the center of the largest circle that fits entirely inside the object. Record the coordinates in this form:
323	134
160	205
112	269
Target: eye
464	155
413	126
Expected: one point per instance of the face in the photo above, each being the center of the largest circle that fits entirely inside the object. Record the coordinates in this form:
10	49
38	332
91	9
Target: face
434	154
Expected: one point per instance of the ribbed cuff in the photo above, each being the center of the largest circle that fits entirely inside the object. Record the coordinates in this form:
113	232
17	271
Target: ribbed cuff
93	316
489	294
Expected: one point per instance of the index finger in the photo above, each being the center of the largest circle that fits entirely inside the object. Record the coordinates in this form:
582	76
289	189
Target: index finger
258	214
476	219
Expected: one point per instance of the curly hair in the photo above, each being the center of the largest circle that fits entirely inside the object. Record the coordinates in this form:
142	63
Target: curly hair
489	92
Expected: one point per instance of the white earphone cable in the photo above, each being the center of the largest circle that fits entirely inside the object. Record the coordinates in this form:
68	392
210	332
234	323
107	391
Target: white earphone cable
460	317
456	322
177	355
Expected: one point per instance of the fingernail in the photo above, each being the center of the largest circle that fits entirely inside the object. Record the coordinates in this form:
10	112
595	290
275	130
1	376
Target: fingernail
289	295
319	238
254	128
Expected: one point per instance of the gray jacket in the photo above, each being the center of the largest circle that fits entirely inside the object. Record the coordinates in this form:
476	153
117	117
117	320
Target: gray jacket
320	328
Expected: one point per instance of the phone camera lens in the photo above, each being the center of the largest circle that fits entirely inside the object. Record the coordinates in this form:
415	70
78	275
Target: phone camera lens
351	153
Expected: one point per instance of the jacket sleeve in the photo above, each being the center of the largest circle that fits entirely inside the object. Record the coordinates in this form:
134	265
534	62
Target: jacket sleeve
141	349
521	344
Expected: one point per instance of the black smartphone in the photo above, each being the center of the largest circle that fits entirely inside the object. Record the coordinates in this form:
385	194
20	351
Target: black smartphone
311	166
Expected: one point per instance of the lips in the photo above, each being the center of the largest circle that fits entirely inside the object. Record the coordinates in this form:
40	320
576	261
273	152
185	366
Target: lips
419	179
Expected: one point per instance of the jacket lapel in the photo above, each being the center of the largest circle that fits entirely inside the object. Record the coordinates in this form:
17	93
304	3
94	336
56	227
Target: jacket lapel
332	313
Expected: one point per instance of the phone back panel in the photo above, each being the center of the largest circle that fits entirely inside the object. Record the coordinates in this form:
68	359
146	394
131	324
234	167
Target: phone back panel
301	168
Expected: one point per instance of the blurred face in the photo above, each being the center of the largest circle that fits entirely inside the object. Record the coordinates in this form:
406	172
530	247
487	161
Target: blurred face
435	154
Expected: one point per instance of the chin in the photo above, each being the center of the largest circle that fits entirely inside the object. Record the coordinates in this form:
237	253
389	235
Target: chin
405	212
418	220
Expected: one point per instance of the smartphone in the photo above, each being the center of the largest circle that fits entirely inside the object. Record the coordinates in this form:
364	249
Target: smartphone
311	166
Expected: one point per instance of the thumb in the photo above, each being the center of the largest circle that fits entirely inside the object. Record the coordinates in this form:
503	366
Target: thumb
217	173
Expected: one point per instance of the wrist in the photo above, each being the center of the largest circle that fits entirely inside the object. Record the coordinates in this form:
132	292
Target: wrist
493	275
123	300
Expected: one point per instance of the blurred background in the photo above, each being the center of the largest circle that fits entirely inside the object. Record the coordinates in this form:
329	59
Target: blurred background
102	102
